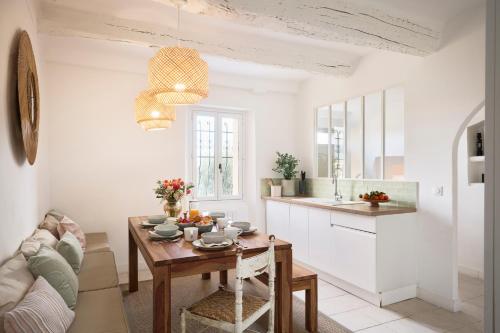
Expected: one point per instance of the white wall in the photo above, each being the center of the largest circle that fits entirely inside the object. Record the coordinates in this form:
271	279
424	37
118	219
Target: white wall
470	217
24	192
103	166
440	91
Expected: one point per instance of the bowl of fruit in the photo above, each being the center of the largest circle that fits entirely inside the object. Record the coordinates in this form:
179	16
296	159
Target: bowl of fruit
374	198
184	222
205	224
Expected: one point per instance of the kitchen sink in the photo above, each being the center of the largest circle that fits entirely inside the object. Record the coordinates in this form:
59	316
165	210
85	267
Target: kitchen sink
326	201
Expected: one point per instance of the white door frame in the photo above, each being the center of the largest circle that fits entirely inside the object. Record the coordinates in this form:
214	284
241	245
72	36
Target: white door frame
492	186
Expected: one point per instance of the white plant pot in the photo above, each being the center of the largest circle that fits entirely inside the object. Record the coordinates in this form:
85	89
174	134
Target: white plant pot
288	187
276	191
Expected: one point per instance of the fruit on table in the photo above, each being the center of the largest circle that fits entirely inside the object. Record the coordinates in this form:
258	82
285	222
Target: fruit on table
374	195
205	220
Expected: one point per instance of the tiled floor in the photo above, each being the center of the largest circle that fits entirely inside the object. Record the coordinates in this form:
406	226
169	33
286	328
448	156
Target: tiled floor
411	316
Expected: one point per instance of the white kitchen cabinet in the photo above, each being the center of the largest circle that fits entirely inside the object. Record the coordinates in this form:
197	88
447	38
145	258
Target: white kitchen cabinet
354	257
320	239
278	219
299	232
373	257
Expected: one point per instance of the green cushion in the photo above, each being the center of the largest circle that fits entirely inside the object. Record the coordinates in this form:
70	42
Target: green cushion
69	247
54	268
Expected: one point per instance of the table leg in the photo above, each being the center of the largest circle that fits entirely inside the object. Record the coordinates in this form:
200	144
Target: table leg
162	321
205	276
284	320
223	277
312	307
133	278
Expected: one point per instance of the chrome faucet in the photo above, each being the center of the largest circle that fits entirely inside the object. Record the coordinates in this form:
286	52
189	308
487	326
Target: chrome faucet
337	195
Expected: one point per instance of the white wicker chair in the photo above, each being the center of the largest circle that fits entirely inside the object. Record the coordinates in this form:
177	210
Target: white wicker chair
231	311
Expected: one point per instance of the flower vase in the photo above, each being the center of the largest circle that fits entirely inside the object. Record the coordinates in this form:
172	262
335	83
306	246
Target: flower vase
172	208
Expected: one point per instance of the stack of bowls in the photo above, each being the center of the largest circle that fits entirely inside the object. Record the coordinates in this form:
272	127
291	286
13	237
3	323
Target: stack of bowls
166	230
157	219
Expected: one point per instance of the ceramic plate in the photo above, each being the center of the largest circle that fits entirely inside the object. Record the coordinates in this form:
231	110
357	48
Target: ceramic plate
146	224
154	235
199	245
250	231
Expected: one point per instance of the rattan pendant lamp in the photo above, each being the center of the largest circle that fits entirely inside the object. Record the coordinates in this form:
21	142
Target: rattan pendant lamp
152	115
177	75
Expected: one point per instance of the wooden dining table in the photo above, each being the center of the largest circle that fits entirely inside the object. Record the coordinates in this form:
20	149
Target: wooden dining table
168	260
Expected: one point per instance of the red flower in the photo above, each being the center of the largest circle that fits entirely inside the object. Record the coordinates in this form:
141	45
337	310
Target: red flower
176	186
188	191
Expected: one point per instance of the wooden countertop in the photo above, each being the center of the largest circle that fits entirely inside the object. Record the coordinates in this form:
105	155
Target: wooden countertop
360	209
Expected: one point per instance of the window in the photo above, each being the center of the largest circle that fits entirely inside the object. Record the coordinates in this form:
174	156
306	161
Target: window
362	138
217	154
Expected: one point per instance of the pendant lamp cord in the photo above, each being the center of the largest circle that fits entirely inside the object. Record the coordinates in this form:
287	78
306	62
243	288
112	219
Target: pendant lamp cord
178	25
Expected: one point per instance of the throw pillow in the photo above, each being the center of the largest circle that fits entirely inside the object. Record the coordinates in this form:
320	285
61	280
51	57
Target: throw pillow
69	247
30	247
44	237
55	213
15	280
42	310
54	268
67	224
50	223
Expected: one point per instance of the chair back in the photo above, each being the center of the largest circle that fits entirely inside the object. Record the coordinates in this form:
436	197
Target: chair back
256	265
250	267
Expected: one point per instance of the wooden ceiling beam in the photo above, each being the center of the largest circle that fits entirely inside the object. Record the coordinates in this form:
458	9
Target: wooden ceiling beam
329	20
62	21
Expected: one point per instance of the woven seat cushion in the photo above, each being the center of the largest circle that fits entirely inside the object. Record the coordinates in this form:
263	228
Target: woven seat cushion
98	271
97	242
220	306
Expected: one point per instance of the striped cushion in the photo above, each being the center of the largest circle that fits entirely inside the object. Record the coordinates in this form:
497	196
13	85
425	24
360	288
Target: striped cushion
42	310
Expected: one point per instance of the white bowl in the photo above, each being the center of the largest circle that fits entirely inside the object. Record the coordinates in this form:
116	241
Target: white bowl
245	226
213	237
166	229
157	219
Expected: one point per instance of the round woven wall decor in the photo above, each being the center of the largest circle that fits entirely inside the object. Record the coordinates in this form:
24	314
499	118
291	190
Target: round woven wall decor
29	96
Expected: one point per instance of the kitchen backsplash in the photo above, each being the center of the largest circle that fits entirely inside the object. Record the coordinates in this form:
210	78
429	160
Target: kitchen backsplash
402	193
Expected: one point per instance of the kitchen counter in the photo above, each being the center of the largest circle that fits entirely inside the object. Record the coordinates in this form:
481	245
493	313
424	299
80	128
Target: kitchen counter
360	208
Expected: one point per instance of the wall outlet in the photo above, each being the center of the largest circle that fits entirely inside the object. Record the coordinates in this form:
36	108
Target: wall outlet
438	191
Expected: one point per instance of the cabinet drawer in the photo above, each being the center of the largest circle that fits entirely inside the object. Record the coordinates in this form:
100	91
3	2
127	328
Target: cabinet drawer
354	257
359	222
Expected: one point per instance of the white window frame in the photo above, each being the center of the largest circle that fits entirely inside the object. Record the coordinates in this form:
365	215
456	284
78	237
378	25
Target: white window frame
347	157
218	113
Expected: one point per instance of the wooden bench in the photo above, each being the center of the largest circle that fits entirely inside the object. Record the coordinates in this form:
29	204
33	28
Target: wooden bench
304	279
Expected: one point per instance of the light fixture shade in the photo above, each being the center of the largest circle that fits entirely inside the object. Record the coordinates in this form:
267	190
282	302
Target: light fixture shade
151	114
178	76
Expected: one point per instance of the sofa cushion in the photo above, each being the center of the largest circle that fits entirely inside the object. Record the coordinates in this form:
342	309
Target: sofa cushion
44	237
55	213
54	268
69	247
100	311
50	223
98	271
30	247
97	242
67	224
42	310
15	281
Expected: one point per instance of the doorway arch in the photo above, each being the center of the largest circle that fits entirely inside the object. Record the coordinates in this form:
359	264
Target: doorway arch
454	191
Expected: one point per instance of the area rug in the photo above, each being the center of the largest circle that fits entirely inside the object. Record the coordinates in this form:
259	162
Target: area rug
188	290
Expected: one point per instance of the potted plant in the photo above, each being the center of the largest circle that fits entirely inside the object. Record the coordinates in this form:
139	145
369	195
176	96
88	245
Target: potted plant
286	165
172	191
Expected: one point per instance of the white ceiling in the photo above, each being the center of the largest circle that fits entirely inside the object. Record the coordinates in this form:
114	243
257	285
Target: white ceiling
429	13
